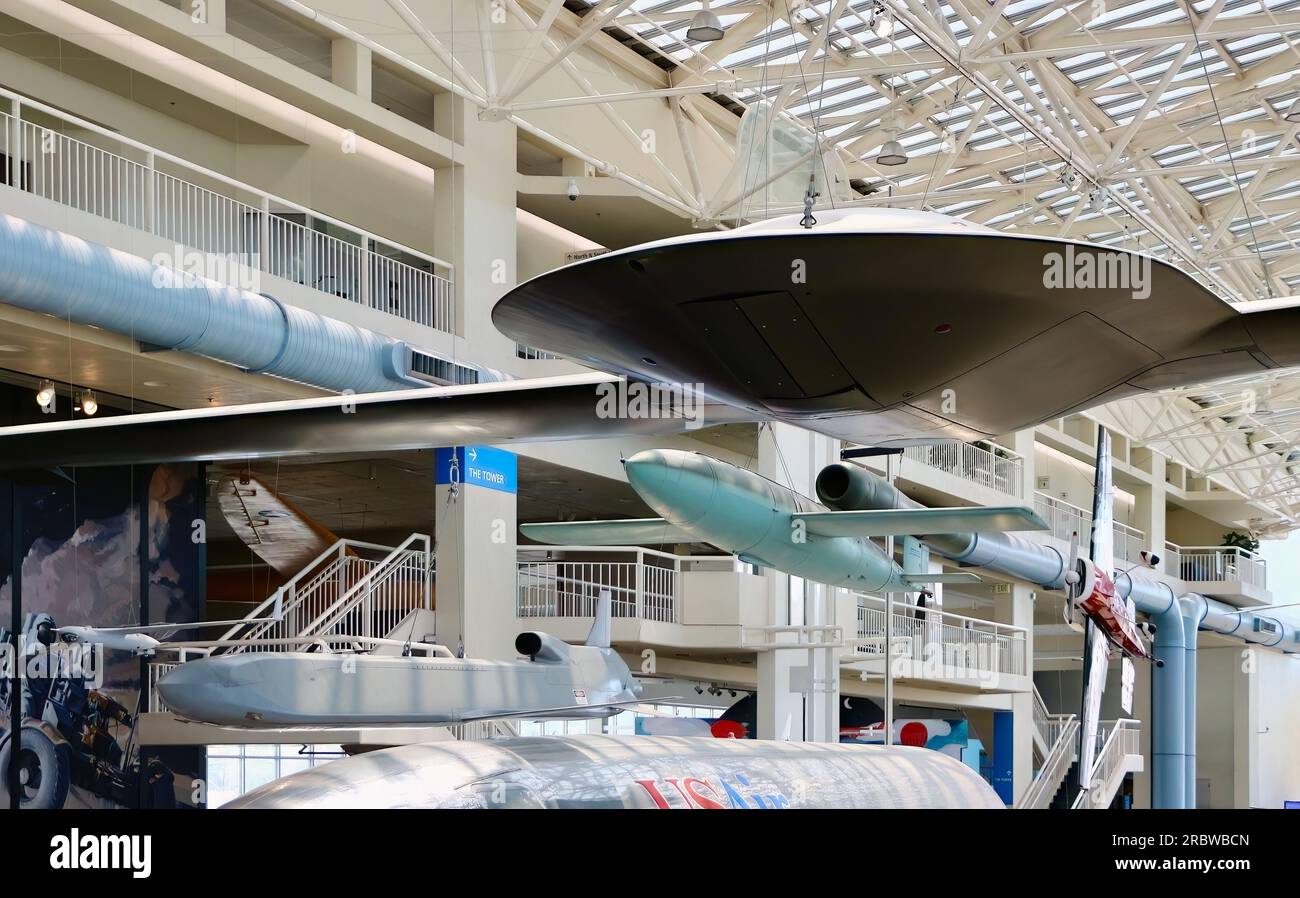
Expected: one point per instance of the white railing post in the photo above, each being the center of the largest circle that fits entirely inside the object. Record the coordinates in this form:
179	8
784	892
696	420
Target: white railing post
364	274
640	584
151	194
264	237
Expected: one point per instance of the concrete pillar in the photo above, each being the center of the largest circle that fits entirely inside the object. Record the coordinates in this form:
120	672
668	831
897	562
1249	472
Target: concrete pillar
1149	507
350	67
1017	609
476	200
1022	443
798	688
476	522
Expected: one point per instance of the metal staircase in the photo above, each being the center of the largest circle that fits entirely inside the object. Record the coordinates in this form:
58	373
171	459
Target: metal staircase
1061	742
1056	745
353	588
1119	754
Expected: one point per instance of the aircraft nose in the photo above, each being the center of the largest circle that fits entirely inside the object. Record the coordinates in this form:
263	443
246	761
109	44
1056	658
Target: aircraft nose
201	690
678	485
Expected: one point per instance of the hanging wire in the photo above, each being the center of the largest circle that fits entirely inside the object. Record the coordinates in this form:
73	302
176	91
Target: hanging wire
1232	162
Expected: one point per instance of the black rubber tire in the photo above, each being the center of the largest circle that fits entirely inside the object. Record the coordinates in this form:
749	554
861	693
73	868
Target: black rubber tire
47	768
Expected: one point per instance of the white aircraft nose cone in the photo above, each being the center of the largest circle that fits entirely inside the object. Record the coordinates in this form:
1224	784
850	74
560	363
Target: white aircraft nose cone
678	485
206	690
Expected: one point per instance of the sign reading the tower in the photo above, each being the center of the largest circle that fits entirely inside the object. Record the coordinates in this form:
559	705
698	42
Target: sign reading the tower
485	466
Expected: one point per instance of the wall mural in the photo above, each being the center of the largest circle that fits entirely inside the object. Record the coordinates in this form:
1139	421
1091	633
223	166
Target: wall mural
80	543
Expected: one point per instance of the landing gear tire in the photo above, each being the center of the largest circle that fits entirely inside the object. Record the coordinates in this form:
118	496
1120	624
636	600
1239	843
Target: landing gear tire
44	768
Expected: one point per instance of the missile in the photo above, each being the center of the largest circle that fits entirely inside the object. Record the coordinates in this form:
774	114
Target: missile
632	772
704	499
426	684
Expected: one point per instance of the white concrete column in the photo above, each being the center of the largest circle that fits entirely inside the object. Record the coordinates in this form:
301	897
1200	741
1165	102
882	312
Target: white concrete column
798	688
1017	609
1149	507
476	564
350	67
476	201
1022	443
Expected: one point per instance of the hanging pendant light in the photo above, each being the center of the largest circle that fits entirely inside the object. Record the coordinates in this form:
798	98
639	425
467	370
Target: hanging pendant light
706	26
893	152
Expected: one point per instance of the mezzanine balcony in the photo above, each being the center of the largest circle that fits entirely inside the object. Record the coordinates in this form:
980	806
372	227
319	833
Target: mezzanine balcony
225	220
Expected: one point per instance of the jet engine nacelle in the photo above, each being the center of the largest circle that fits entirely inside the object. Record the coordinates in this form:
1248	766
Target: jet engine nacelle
850	488
541	646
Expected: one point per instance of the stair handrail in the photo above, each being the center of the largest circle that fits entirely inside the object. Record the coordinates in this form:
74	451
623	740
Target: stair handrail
289	588
1055	765
357	591
1107	762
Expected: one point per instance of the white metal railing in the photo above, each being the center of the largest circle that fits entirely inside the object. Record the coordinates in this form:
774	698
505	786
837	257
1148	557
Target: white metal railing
1055	766
643	584
392	587
1208	564
930	635
204	210
1048	726
483	729
1064	519
1000	469
310	592
389	582
532	353
1116	740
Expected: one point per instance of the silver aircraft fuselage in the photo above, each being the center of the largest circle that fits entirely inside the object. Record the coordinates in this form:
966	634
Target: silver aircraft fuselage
286	689
633	772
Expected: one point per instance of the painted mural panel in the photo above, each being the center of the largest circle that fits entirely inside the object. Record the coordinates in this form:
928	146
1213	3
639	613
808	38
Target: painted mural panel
85	560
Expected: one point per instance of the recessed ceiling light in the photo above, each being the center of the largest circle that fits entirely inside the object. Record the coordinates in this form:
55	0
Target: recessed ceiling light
154	383
12	347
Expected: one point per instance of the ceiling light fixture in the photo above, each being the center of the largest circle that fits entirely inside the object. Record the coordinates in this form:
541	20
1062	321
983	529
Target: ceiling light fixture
880	22
892	152
45	395
706	26
89	404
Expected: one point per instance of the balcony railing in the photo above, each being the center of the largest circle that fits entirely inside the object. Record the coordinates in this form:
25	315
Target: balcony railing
1000	470
1064	519
1213	564
147	189
930	635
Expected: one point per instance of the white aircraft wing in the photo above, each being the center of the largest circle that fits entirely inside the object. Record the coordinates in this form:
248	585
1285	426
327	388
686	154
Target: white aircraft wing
633	532
552	408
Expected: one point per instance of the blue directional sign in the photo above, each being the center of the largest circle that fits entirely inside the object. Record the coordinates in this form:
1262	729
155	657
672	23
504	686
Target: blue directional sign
485	466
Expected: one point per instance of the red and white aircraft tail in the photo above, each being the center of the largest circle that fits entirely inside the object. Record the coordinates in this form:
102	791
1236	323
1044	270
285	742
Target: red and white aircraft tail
1110	621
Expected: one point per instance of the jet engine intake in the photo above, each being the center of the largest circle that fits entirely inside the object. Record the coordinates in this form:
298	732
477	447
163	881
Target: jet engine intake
541	646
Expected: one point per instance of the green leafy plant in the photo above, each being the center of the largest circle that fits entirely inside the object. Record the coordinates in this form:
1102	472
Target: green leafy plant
1241	541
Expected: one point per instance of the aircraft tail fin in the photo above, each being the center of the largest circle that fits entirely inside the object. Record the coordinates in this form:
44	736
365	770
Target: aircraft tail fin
600	628
1102	547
